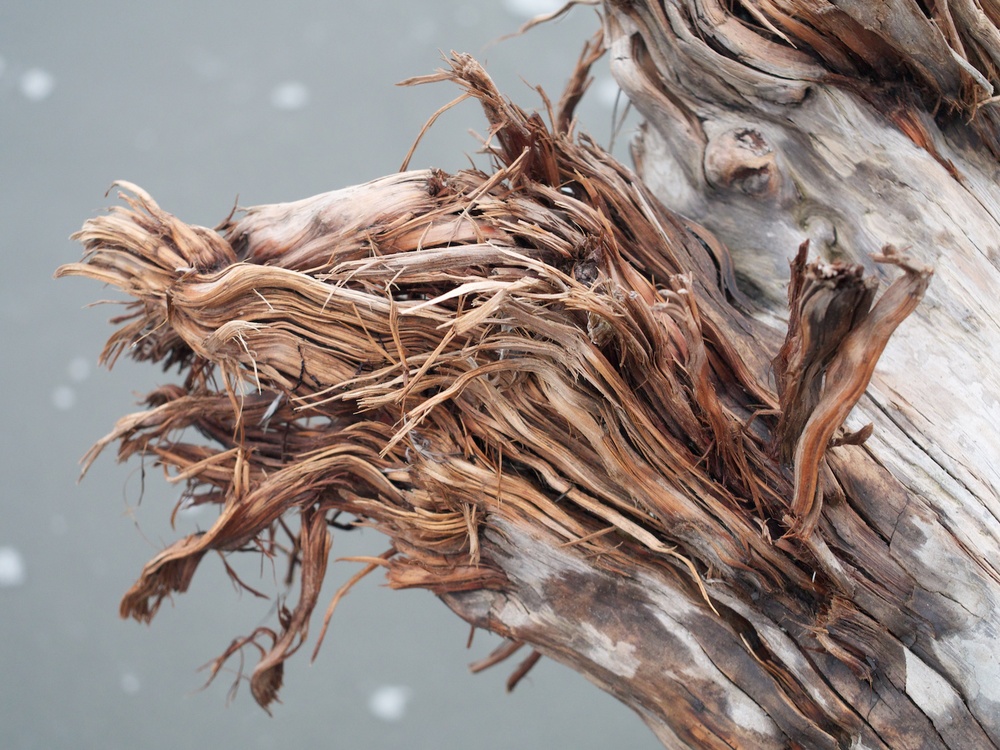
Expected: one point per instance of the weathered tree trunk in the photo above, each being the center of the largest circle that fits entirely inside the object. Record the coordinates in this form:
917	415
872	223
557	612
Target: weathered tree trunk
768	128
592	430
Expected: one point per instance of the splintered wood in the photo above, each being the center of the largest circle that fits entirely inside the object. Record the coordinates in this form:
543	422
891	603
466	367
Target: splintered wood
543	347
833	343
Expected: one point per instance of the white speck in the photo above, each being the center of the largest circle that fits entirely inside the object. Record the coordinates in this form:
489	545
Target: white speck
130	683
11	567
290	95
37	84
63	397
58	524
608	92
388	702
79	369
423	31
316	34
206	65
532	8
144	140
468	15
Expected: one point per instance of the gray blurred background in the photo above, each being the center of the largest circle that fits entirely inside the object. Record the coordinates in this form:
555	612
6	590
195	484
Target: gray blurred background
204	104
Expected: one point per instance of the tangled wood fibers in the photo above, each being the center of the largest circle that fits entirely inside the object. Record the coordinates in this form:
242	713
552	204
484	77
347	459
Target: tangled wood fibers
544	343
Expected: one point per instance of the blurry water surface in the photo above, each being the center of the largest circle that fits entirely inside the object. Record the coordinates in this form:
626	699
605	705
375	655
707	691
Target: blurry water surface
204	104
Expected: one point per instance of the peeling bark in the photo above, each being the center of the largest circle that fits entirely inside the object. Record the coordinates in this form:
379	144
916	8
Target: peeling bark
760	518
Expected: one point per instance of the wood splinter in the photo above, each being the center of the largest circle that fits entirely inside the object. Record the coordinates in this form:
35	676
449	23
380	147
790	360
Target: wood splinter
835	338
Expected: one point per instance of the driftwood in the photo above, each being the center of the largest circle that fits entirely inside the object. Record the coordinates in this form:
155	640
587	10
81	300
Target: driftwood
590	411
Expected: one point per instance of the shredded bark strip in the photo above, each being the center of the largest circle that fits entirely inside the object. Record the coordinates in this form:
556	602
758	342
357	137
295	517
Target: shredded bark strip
428	353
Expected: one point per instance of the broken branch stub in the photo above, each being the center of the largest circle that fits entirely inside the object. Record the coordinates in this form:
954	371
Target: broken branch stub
539	352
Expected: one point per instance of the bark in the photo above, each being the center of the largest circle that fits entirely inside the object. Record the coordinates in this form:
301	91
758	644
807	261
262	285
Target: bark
752	492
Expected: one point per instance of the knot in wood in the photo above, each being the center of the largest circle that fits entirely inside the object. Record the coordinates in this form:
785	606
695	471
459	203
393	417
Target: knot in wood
742	159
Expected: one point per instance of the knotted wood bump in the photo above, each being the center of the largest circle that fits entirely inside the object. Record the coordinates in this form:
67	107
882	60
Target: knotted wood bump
742	159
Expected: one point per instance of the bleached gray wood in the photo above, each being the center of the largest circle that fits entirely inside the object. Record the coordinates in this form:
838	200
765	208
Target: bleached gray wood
767	156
